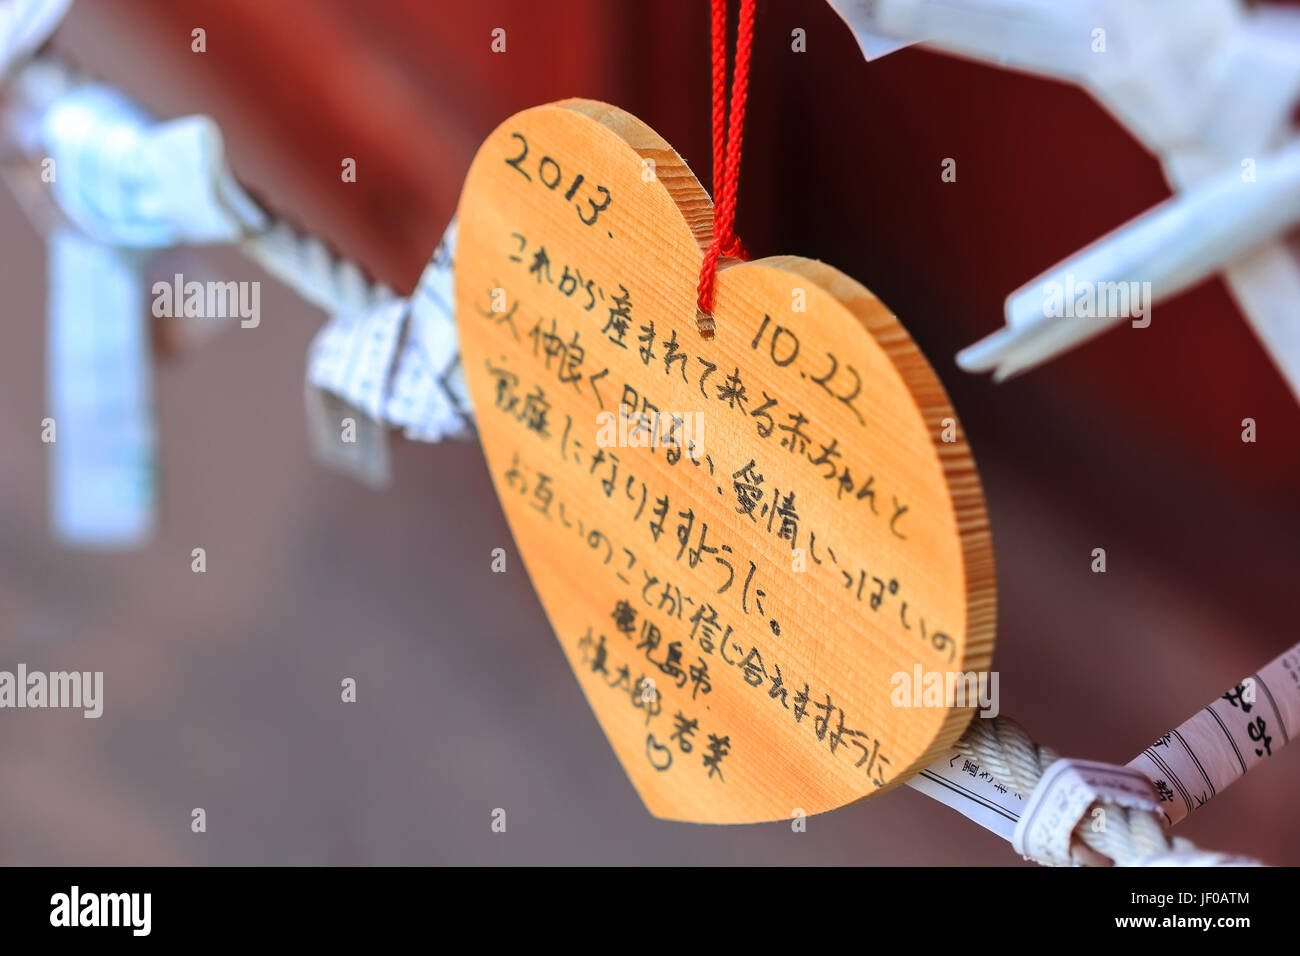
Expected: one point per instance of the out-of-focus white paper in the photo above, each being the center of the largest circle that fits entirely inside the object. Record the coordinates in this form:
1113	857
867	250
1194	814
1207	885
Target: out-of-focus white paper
25	25
429	398
103	487
126	180
396	363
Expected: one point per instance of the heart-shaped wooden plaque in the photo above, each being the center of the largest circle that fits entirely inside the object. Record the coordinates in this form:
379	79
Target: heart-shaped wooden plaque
753	548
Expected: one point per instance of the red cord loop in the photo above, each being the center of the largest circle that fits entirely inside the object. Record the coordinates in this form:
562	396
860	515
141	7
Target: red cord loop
728	132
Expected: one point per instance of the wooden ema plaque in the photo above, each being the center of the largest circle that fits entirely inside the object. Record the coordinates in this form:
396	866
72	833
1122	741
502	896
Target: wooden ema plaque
741	542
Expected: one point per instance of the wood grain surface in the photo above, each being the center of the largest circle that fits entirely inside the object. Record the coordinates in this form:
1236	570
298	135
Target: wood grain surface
737	598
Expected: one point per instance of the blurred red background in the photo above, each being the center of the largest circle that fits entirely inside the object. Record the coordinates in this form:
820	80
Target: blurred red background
229	697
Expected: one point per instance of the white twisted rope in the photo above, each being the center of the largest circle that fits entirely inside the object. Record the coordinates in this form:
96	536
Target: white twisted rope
1131	837
308	266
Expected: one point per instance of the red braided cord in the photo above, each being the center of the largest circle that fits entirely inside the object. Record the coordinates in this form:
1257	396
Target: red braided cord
725	242
718	62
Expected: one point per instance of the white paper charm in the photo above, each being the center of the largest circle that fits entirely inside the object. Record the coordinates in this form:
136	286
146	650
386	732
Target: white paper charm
1062	798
